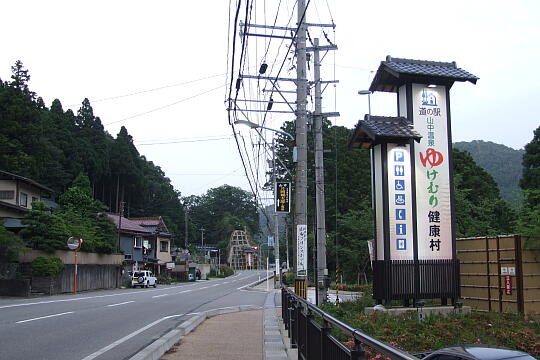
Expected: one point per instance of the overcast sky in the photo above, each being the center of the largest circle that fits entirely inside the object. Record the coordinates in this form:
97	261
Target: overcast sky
170	57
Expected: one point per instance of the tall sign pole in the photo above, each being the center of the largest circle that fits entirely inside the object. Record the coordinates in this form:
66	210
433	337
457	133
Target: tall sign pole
300	213
276	218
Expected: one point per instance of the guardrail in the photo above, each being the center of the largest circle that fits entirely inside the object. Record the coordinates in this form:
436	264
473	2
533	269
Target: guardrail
315	341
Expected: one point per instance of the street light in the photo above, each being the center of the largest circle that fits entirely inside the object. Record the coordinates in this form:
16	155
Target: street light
368	93
255	126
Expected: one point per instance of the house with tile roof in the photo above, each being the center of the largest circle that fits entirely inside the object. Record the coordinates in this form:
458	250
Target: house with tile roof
161	236
137	243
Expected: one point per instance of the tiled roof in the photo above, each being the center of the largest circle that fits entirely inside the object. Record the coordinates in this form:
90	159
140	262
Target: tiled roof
373	129
153	223
8	175
127	224
395	72
148	221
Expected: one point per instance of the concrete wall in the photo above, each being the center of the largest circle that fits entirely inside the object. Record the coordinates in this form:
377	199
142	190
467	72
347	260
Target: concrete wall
67	257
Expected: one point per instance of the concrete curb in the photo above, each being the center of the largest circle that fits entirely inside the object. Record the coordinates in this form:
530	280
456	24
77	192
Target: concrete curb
159	347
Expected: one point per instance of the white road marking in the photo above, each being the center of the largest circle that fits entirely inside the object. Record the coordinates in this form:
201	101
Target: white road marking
127	337
44	317
153	297
122	303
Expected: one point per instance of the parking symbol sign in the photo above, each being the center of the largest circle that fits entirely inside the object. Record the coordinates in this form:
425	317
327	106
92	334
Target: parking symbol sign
401	244
399	156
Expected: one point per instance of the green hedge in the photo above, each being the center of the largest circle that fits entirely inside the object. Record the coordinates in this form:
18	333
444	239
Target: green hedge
46	266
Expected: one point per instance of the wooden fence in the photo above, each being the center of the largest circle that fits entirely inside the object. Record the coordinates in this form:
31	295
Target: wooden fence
498	274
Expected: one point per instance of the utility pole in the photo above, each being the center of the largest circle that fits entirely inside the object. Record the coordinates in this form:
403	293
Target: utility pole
120	214
300	211
186	227
322	271
202	243
276	215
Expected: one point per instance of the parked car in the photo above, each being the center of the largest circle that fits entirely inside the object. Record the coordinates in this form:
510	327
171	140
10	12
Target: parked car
477	352
143	278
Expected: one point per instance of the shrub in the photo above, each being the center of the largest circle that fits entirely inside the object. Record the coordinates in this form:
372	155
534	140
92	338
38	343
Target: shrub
164	279
46	266
226	270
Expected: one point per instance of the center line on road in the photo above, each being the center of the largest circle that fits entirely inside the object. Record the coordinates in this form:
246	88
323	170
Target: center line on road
159	295
122	303
44	317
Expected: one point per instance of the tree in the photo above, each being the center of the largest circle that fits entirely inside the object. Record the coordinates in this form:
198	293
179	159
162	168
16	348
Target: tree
480	210
529	222
222	210
531	164
85	217
44	230
10	246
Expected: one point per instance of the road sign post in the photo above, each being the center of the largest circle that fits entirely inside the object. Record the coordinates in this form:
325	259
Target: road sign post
74	243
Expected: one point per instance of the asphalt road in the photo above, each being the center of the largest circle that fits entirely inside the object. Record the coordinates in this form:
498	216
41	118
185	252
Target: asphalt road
113	324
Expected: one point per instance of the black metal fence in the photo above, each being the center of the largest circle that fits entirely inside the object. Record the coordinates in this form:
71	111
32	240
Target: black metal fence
415	279
309	329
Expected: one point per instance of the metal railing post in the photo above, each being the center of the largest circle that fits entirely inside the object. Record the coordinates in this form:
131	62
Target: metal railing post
358	352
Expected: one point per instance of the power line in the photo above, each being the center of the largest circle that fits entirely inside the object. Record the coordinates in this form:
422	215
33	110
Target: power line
151	90
165	106
183	141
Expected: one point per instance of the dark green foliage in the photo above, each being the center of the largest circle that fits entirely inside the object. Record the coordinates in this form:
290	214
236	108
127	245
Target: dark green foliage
531	164
529	223
80	215
10	246
501	162
53	146
46	266
221	211
44	230
479	209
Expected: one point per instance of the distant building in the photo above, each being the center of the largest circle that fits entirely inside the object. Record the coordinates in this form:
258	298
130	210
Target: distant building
242	254
17	194
160	236
137	243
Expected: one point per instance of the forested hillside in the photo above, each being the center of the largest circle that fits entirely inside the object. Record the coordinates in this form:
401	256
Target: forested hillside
53	146
500	161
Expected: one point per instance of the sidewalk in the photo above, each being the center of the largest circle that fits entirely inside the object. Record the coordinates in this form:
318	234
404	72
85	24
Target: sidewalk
247	334
230	336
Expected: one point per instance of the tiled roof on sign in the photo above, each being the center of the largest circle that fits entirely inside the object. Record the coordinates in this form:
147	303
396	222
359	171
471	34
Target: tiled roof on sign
432	68
395	72
373	129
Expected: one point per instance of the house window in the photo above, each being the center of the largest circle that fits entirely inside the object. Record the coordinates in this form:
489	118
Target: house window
137	242
23	200
164	246
127	257
7	195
